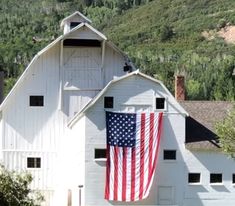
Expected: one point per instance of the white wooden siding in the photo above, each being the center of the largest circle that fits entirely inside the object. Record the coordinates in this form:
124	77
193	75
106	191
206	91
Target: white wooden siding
113	64
140	94
35	128
35	131
43	177
74	101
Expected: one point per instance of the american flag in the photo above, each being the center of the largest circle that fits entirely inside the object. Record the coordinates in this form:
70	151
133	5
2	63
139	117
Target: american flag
132	148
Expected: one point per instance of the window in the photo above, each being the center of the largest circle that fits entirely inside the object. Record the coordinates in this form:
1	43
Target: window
160	103
100	153
74	24
36	101
169	155
216	178
194	178
108	102
33	162
82	42
233	178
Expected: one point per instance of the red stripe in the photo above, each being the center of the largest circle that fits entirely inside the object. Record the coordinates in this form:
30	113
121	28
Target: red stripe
124	173
115	191
159	131
107	183
142	139
151	132
133	158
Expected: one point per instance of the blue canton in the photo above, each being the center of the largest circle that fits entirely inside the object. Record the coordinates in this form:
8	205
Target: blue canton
121	129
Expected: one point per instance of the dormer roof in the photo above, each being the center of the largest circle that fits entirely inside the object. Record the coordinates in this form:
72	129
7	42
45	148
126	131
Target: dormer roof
75	16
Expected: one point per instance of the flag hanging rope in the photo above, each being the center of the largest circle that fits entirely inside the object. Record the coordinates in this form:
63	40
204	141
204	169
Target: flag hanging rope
132	147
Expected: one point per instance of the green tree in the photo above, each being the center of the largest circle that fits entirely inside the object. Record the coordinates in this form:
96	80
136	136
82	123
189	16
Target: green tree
166	33
15	191
226	133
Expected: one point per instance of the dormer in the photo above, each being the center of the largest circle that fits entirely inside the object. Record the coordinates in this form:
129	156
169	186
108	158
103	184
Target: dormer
73	20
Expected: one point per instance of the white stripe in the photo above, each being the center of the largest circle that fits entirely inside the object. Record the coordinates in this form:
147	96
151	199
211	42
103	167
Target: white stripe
137	171
120	165
111	180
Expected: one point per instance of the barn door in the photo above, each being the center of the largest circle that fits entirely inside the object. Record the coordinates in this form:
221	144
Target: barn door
82	77
82	67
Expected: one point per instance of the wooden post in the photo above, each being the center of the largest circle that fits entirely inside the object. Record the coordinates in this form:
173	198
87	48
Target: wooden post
69	197
80	194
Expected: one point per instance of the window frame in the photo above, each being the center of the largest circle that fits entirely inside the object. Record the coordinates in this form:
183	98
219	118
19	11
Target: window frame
169	150
36	106
194	183
100	158
106	106
74	22
216	183
35	162
233	178
155	104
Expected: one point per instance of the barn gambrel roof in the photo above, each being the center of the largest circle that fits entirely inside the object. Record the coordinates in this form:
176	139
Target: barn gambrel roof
62	37
99	95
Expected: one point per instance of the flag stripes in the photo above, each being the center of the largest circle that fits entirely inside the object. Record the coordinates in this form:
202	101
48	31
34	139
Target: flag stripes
130	169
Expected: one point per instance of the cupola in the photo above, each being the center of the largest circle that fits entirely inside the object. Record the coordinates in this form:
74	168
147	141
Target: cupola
73	20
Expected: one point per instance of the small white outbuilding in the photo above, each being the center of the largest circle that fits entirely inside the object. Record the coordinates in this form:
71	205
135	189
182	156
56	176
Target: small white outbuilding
53	125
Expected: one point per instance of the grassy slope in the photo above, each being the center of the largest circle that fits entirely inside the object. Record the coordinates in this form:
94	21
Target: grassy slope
206	64
203	62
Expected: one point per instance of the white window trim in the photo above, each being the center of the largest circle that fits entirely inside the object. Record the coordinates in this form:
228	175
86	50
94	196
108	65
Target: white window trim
233	184
195	183
169	160
99	159
155	104
216	183
33	168
37	107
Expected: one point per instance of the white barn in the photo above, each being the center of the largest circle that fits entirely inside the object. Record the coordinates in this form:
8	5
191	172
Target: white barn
53	125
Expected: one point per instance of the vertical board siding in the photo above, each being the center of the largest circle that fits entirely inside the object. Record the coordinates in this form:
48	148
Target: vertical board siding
33	128
43	178
113	64
35	131
85	33
82	67
74	101
82	71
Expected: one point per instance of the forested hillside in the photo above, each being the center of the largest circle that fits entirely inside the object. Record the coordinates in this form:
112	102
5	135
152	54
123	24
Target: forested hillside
162	37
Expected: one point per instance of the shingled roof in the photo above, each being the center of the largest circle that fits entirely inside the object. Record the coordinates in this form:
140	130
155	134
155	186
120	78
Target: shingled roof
200	124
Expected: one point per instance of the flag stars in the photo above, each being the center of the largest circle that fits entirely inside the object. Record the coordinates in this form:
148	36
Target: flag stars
121	129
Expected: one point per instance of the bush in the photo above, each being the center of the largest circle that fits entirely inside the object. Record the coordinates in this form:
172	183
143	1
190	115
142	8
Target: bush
15	191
